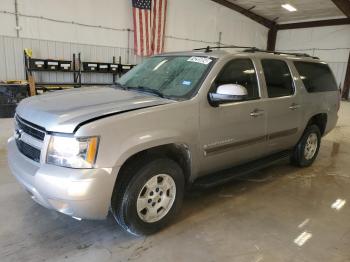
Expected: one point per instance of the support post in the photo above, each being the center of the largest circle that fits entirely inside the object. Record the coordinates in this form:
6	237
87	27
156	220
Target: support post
346	88
113	74
80	67
128	50
220	37
16	17
271	39
31	83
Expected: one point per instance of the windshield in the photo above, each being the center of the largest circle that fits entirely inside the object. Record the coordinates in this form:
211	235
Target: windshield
175	77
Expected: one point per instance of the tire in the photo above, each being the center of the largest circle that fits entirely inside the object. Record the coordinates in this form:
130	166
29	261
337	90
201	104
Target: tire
303	157
136	186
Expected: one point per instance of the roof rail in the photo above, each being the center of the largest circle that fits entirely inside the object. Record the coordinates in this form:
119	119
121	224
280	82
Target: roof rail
253	50
210	48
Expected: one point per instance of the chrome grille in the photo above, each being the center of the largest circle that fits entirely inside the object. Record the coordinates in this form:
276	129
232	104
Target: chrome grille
29	138
31	129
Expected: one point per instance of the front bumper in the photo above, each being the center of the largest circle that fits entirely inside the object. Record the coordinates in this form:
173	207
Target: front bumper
81	193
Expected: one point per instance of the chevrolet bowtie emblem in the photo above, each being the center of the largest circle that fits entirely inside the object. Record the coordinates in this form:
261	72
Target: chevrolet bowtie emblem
18	134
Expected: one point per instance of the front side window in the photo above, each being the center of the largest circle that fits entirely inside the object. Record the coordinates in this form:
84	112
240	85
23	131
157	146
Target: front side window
176	77
278	79
316	77
241	72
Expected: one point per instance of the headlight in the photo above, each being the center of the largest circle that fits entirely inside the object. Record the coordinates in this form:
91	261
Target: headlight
72	152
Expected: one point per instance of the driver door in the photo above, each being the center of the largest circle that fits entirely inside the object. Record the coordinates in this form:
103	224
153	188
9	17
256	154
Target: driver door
233	133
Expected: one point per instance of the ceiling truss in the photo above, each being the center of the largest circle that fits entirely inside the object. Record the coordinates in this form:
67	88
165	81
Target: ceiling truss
247	12
343	5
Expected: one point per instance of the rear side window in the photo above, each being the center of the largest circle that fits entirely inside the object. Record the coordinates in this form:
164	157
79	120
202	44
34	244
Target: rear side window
278	78
241	72
316	77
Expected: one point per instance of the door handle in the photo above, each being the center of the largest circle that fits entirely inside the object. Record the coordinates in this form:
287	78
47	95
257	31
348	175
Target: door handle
294	106
257	113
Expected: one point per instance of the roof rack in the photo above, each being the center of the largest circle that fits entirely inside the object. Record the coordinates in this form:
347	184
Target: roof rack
210	48
254	49
251	49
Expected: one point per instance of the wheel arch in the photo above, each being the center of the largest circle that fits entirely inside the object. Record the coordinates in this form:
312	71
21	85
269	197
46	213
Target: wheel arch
178	152
319	120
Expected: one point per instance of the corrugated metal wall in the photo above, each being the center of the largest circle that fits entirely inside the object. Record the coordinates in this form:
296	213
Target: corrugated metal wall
12	64
331	44
339	70
98	28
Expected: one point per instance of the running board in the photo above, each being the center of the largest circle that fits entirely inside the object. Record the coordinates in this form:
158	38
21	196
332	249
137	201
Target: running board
227	175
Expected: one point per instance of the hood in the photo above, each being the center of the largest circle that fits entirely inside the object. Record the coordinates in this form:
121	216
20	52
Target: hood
63	111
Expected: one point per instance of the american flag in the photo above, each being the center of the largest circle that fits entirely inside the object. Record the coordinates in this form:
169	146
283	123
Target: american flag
149	22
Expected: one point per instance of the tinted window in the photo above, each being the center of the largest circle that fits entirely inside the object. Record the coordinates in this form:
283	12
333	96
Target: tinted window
241	72
316	77
278	79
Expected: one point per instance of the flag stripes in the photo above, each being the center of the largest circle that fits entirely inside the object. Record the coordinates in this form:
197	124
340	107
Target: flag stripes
149	26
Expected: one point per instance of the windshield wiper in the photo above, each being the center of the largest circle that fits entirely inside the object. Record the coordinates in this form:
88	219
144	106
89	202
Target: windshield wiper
148	90
119	85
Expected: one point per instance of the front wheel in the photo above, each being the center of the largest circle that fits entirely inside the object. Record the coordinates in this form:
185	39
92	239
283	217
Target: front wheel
149	196
306	151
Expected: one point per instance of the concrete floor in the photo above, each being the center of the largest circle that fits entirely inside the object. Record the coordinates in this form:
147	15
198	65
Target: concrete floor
281	213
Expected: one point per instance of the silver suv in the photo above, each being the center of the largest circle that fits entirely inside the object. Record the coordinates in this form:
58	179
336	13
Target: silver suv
175	121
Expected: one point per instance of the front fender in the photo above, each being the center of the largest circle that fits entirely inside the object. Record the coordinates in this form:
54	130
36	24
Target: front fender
124	135
141	142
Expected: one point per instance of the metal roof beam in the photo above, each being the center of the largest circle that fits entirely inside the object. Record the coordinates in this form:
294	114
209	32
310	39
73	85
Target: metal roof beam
257	18
343	5
331	22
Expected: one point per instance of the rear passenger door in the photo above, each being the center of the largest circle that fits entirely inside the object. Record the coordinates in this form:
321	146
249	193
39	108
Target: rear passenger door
283	105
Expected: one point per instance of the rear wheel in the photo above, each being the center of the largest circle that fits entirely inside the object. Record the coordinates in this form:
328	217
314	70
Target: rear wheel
149	195
306	151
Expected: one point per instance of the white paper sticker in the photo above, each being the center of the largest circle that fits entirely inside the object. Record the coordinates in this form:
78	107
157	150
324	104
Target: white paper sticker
92	65
126	67
52	63
201	60
103	66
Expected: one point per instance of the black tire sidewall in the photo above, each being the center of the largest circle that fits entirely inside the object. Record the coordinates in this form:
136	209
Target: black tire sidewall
131	219
300	148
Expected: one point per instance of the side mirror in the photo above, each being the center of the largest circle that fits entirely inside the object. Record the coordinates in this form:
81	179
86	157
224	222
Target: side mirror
227	94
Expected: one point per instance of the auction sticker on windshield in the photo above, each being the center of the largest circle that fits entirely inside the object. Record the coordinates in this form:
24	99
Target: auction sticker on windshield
186	83
201	60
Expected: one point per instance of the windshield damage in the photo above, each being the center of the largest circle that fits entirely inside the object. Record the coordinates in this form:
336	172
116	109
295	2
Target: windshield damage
171	77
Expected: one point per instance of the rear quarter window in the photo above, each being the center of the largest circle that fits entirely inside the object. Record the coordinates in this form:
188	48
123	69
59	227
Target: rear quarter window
316	77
